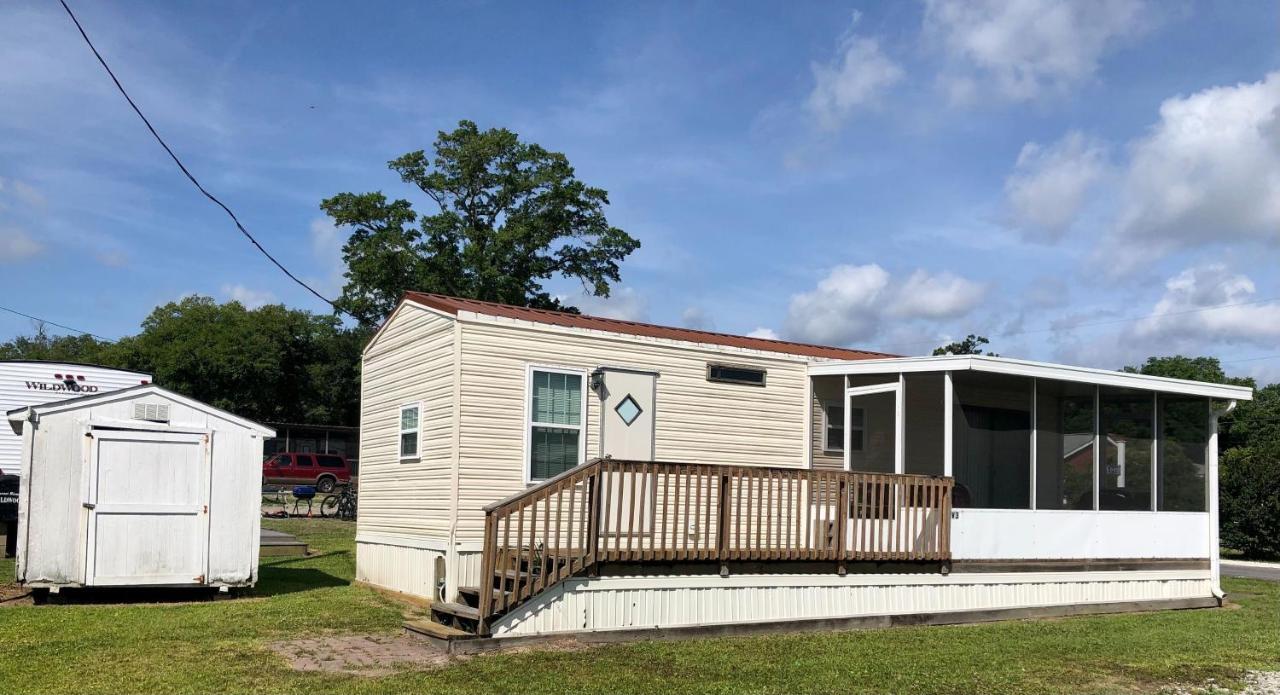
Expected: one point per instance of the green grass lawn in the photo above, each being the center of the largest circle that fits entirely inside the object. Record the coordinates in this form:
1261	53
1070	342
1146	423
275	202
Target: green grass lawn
220	646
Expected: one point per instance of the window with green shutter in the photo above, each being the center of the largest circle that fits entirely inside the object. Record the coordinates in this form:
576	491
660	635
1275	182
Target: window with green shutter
555	428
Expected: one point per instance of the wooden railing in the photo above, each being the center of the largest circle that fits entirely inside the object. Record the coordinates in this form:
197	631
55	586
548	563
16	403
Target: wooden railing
631	511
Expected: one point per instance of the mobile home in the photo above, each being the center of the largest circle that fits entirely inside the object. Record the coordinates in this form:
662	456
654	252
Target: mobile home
538	472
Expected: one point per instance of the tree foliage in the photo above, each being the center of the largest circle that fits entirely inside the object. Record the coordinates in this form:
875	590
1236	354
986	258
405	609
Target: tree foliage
509	215
268	364
971	345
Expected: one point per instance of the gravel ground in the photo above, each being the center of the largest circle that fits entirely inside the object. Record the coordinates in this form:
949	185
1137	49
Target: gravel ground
1256	683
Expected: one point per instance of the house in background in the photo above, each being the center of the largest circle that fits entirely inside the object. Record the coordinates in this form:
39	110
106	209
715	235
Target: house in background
538	472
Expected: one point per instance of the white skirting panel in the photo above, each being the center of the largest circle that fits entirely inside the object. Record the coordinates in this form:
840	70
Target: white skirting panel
468	569
398	568
608	603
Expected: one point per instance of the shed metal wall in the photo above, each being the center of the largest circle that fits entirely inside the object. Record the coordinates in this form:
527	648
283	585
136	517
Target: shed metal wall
52	519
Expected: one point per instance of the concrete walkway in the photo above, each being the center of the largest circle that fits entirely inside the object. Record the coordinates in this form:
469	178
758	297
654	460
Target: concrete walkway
1251	570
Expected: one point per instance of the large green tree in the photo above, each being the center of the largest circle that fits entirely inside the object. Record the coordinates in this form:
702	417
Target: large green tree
508	216
271	363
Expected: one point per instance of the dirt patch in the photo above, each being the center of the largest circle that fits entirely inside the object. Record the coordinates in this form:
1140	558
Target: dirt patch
362	655
14	595
1255	683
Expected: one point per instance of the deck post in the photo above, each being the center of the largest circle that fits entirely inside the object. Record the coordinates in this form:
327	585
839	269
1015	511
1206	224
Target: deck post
842	524
722	525
594	521
487	571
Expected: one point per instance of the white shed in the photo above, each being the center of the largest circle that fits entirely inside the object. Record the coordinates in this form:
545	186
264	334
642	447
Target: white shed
138	487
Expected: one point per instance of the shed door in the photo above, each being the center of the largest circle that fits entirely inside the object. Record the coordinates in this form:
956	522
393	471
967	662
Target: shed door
148	516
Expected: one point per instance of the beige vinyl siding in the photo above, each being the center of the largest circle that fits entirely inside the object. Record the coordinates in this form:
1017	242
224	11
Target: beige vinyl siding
696	420
411	360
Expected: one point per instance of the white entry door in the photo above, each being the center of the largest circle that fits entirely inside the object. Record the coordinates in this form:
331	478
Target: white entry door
627	414
873	429
627	434
147	496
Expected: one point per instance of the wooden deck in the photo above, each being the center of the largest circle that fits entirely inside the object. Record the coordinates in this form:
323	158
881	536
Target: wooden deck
611	511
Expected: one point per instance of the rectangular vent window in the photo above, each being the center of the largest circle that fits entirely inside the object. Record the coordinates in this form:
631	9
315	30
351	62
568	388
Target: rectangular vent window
154	412
730	374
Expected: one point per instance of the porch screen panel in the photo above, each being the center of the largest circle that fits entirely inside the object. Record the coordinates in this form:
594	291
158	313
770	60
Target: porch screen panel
556	428
992	430
925	423
1127	426
1182	453
1064	445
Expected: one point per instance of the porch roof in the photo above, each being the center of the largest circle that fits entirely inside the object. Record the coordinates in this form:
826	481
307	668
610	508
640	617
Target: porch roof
1042	370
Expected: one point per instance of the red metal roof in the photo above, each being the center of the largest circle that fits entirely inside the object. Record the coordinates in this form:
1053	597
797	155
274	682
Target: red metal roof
453	305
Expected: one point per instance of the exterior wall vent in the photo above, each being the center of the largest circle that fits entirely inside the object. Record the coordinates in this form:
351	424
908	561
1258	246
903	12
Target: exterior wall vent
155	412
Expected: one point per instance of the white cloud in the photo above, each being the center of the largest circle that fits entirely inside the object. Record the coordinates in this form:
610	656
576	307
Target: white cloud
23	192
856	77
112	258
936	296
1203	310
251	299
326	246
16	245
696	317
623	303
1209	171
1049	184
1189	292
762	332
1027	48
852	303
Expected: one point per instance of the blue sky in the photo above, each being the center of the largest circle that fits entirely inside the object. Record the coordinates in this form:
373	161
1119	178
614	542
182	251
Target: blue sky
889	176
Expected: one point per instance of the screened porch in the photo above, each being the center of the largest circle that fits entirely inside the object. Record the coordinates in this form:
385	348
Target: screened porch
1019	435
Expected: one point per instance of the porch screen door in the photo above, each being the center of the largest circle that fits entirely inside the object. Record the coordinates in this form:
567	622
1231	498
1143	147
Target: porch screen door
873	429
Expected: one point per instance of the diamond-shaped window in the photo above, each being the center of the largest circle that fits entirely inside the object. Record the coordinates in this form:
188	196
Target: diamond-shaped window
628	410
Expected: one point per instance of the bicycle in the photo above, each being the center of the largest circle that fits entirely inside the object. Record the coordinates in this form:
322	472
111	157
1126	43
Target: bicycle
340	506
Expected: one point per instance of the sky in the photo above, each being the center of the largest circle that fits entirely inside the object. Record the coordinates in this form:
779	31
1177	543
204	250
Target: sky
1087	183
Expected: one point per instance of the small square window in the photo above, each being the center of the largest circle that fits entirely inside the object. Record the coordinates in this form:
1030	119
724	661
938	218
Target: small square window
628	410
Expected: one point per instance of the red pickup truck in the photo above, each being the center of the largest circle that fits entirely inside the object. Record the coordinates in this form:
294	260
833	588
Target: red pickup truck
325	471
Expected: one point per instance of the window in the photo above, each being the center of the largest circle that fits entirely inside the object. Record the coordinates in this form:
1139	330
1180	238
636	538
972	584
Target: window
410	430
302	460
329	461
731	374
992	446
833	428
1064	445
1127	426
556	404
1182	453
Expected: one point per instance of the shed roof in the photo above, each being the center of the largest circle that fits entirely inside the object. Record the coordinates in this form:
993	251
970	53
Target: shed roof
453	305
18	415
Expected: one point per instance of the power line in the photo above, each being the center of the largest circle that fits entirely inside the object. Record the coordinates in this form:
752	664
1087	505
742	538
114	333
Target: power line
55	323
188	174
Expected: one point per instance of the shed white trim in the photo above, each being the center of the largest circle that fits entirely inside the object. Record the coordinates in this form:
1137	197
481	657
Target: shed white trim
1027	368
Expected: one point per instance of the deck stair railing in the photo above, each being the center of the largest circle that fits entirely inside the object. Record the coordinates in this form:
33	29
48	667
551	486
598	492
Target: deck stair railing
610	510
